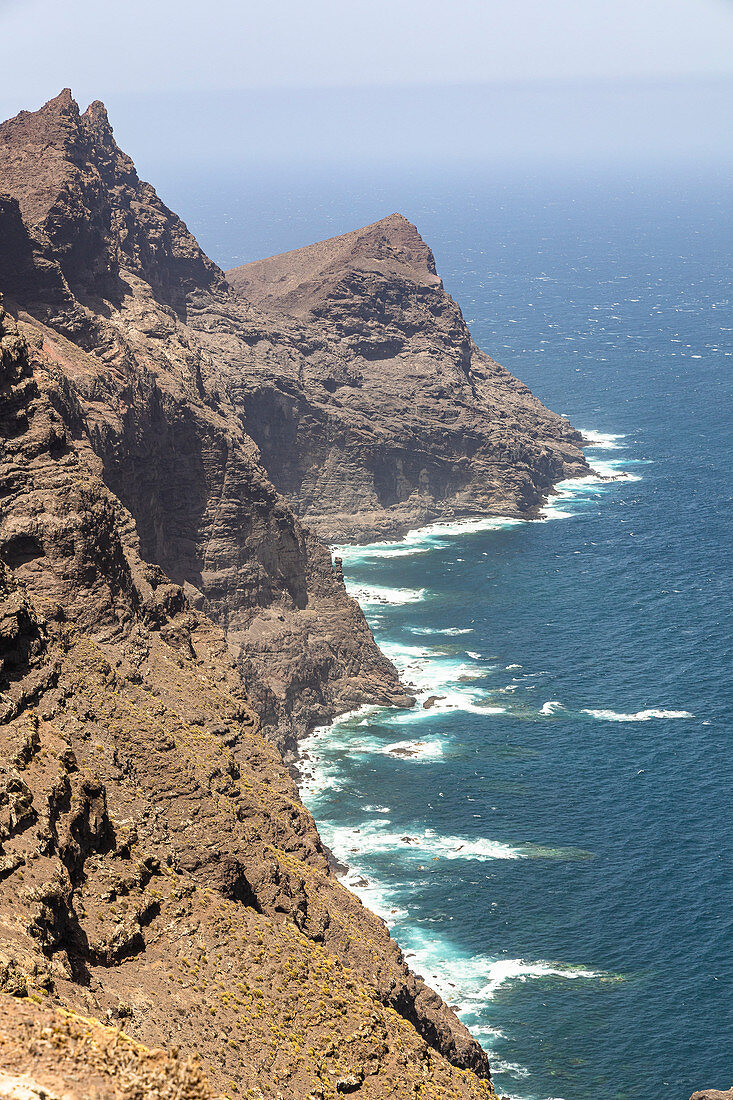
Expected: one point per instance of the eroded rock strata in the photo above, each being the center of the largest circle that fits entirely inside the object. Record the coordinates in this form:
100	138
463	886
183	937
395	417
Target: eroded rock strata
397	418
149	342
157	867
165	615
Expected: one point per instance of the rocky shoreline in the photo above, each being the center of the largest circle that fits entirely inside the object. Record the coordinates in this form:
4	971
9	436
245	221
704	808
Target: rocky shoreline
177	447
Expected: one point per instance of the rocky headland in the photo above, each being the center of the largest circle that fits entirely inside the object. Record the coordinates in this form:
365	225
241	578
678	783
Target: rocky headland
396	418
177	447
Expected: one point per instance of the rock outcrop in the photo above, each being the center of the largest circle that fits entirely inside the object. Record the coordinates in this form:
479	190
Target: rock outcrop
397	418
47	1054
157	868
165	615
146	336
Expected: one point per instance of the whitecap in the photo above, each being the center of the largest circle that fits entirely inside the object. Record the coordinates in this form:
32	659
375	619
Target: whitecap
374	838
472	982
503	971
367	594
375	896
453	631
611	471
443	703
513	1069
469	526
605	441
551	511
437	679
639	716
414	750
423	539
551	706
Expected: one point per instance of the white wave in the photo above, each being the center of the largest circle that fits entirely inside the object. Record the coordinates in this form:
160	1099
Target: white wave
367	594
551	511
375	896
373	838
414	750
551	706
639	716
448	528
602	440
510	667
453	631
438	680
473	655
444	703
471	982
353	554
513	1069
504	971
422	539
611	471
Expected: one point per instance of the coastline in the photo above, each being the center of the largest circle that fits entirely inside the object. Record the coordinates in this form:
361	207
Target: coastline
480	978
399	539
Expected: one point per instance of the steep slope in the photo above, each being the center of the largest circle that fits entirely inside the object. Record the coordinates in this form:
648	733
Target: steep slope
108	276
413	423
156	865
364	401
46	1054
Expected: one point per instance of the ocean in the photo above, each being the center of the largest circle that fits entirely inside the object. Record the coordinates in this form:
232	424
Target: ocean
549	833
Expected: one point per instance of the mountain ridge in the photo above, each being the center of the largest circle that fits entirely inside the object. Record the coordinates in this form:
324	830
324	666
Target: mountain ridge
167	615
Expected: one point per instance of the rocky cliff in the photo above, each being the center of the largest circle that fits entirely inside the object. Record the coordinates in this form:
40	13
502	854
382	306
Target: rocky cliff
147	336
157	868
162	609
397	419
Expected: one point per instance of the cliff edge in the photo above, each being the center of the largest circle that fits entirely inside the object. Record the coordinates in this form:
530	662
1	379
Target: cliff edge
397	419
148	337
170	625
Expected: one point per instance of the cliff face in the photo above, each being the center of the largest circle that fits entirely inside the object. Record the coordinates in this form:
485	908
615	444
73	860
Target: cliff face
162	608
144	331
412	421
157	868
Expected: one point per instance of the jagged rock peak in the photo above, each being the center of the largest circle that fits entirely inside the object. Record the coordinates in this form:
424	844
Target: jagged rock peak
79	193
294	282
56	121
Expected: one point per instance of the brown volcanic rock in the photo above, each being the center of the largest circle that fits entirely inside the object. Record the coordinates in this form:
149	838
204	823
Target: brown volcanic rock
156	864
712	1094
371	410
412	421
46	1054
108	296
82	196
302	282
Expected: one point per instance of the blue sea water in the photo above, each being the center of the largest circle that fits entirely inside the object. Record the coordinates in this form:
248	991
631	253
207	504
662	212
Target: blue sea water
551	840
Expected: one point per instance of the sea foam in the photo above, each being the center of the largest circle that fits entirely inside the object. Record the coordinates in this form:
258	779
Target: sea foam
639	716
367	594
601	440
414	750
423	539
374	838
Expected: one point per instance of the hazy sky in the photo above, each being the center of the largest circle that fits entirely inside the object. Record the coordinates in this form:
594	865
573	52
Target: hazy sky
534	72
227	44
